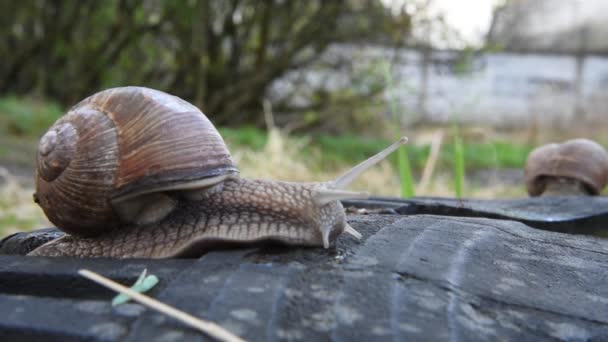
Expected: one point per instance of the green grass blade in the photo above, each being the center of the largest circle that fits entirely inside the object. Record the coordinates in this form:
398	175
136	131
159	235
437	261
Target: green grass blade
405	170
458	166
405	173
143	284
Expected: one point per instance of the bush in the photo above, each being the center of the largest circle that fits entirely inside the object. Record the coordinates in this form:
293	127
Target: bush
27	117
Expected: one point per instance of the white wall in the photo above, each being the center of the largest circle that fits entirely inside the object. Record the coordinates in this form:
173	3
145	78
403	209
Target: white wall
501	89
511	90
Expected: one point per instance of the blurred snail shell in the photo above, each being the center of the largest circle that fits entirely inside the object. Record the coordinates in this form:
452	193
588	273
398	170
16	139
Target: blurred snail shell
135	172
573	167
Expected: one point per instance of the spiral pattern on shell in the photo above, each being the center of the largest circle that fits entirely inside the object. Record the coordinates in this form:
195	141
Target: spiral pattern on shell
122	142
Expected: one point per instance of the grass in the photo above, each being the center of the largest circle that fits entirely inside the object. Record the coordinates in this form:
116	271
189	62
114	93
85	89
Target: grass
18	211
459	165
336	151
405	170
27	116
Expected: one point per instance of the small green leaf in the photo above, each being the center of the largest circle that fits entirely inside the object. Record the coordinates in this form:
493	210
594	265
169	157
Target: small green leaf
143	284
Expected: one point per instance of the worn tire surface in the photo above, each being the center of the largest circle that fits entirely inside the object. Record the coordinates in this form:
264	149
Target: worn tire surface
419	277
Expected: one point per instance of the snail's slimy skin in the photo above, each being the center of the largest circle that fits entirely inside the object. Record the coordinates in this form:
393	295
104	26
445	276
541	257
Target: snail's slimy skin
563	186
244	211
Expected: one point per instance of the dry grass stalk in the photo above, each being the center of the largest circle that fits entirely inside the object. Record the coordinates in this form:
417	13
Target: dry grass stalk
206	327
18	211
431	162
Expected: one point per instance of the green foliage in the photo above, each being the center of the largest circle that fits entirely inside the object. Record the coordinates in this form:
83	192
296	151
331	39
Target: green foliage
459	165
27	117
487	155
405	171
244	136
219	55
10	217
143	284
11	220
347	148
336	151
464	63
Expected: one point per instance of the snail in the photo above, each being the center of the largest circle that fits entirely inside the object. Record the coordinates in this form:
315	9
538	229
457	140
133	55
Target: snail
577	167
135	172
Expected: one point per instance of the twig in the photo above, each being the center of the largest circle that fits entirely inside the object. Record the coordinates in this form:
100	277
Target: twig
268	115
429	167
208	328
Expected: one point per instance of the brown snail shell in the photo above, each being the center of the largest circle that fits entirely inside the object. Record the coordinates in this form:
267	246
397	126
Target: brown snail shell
580	160
121	144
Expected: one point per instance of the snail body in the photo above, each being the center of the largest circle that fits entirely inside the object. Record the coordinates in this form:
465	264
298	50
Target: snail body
134	172
245	211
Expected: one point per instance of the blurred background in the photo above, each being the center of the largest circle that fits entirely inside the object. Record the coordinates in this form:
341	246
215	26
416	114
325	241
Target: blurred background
312	87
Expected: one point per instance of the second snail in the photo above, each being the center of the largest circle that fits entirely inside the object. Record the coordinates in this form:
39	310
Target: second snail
135	172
